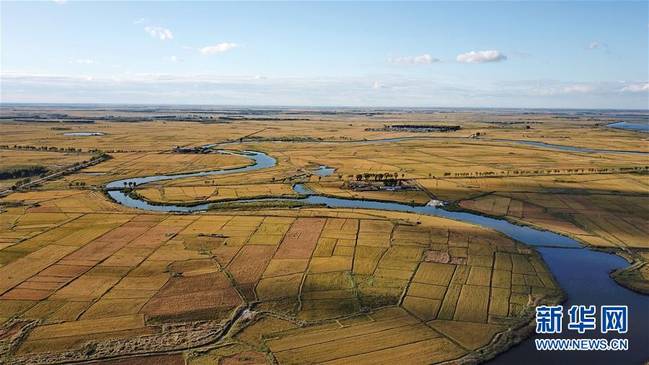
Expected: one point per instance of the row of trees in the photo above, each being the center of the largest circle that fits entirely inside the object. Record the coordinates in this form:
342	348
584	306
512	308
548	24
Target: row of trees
50	149
41	148
389	176
547	171
368	176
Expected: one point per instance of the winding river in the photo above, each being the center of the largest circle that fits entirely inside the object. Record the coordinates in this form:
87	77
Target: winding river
582	273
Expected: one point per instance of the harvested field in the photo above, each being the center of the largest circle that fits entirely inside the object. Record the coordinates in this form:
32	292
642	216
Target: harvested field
301	239
193	298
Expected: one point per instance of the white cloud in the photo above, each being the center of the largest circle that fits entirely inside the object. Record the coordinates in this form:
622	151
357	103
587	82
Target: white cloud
140	21
377	85
84	61
60	2
636	88
218	48
481	56
598	45
175	59
161	33
424	59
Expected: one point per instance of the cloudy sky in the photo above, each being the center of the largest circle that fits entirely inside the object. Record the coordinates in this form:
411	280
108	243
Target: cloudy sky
485	54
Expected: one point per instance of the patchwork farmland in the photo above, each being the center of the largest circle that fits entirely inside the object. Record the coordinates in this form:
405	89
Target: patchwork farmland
113	276
85	276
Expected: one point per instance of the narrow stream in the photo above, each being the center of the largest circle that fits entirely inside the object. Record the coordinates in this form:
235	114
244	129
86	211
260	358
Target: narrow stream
582	273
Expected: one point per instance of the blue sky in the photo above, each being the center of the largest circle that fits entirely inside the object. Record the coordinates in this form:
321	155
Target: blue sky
456	54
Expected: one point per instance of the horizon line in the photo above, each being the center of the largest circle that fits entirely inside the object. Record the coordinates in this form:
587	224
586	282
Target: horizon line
279	106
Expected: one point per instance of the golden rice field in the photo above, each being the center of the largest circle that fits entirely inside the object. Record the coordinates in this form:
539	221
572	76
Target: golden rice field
213	193
110	276
15	157
600	220
432	164
84	278
161	135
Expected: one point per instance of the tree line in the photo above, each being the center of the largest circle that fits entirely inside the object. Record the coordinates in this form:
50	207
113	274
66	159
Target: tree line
547	171
17	172
42	148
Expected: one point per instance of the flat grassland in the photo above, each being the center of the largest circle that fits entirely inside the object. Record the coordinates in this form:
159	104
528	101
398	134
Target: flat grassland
83	278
